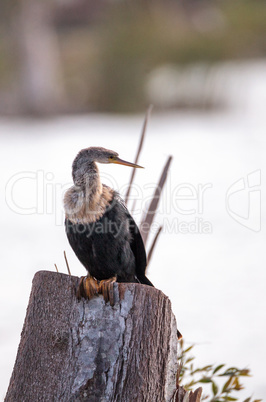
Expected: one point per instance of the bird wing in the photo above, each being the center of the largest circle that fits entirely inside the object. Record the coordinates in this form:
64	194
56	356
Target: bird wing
136	244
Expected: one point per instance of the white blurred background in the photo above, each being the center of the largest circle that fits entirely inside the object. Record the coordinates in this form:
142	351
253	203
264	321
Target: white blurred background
209	92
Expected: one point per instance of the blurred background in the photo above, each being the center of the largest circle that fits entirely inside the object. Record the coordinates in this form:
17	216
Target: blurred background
79	73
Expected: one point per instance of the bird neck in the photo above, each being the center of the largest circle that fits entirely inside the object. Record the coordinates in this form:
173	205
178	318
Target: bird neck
87	200
91	185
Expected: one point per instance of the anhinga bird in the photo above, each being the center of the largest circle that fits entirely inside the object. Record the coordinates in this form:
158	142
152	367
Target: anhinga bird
100	229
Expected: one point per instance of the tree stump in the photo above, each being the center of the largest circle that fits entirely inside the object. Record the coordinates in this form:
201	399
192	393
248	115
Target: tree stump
84	350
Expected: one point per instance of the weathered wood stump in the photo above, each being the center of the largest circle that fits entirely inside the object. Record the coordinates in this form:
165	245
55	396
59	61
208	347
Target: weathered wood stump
83	350
181	395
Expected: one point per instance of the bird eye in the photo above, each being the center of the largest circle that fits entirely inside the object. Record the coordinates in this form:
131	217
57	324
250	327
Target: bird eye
112	158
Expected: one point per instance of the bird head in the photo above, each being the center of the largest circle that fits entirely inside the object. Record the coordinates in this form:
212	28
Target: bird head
100	155
85	159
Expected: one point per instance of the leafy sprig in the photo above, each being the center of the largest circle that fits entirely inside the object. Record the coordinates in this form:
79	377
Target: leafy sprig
211	378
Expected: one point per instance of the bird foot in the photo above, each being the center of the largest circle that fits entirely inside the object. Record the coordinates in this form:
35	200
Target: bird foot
89	287
106	288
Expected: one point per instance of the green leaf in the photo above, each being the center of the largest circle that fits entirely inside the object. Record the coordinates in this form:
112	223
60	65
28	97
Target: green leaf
205	380
208	368
188	349
198	370
227	384
214	388
237	386
230	398
189	385
218	368
244	373
228	373
189	360
248	399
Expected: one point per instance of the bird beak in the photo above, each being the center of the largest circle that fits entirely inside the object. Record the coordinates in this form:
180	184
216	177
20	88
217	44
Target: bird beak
121	162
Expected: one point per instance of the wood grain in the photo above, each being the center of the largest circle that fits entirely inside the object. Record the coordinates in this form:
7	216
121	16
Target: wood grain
84	350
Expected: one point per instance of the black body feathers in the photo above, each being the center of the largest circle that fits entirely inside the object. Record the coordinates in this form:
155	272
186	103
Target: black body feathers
110	246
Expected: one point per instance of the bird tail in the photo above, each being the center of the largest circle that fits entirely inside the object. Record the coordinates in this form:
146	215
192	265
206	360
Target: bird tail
144	280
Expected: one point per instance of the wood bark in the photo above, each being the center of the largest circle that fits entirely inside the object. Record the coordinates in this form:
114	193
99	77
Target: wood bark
84	350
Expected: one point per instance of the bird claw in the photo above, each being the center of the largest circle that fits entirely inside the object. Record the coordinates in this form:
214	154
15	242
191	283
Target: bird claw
106	288
89	287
